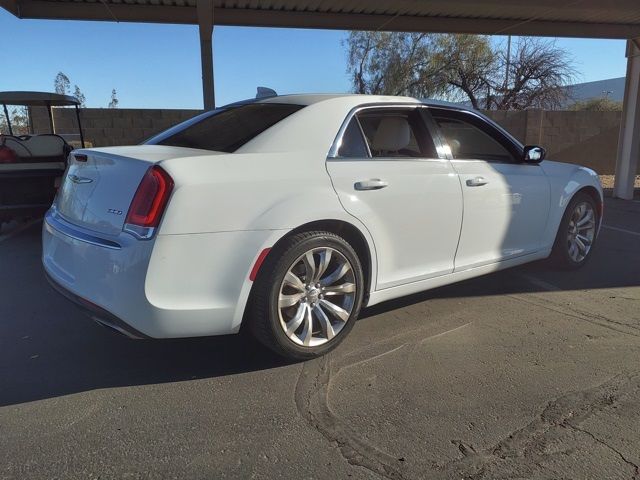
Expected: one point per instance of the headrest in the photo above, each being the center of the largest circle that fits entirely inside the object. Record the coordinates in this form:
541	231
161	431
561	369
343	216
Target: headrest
393	134
454	145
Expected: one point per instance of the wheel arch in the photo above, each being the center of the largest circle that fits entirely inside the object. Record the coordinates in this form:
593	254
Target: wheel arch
589	190
358	239
595	195
566	181
353	236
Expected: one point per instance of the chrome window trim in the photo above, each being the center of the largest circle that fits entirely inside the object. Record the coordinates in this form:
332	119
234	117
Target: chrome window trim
333	151
53	221
335	146
364	137
388	159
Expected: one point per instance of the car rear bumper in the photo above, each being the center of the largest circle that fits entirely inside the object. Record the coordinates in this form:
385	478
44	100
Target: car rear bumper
172	286
96	313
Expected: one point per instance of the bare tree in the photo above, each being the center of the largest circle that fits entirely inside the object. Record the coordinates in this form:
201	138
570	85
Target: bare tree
391	63
460	67
61	84
469	64
114	99
79	95
19	121
539	72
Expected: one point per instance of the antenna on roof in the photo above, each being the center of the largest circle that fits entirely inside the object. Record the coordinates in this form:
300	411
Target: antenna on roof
265	92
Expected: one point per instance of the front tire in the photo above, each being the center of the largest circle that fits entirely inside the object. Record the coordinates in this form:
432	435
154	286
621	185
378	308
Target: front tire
577	233
307	295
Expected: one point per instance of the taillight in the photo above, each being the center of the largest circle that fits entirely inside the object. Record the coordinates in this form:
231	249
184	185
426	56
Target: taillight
148	203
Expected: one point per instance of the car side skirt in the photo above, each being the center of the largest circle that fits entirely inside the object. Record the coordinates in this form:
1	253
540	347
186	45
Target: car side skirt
415	287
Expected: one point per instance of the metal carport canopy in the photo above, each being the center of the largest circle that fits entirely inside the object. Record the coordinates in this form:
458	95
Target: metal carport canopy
554	18
582	18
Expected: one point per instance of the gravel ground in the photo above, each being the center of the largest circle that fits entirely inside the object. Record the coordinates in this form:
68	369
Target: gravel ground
607	181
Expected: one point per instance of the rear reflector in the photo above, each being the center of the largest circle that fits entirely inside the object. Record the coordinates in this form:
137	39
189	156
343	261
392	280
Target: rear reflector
258	264
149	202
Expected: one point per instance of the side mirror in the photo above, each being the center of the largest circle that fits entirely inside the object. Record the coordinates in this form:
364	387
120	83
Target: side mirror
533	154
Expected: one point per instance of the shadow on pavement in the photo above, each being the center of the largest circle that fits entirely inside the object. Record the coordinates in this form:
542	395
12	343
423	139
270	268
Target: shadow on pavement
49	349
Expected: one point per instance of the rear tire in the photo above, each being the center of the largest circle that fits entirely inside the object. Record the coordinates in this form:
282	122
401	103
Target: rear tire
576	234
307	295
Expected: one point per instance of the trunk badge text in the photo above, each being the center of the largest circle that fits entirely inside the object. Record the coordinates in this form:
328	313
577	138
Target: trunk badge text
114	211
77	179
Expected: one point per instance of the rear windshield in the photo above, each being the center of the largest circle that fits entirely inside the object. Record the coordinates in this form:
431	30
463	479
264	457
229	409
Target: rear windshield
225	129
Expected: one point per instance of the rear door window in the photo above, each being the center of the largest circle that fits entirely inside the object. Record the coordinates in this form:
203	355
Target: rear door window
226	129
352	144
396	133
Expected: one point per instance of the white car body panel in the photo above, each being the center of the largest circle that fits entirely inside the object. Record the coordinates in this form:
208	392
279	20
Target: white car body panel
193	277
504	218
565	180
422	205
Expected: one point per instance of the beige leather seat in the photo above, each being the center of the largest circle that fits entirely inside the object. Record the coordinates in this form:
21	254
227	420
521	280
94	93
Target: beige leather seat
393	134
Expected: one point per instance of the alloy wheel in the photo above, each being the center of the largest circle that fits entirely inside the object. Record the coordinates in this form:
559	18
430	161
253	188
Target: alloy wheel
581	232
317	296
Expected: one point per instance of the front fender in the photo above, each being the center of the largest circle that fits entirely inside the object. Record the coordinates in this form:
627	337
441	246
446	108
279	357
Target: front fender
565	181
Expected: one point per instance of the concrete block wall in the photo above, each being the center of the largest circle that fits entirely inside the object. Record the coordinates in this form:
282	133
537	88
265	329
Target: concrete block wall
111	126
588	138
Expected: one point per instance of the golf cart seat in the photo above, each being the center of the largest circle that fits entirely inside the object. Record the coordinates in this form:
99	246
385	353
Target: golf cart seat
36	148
32	166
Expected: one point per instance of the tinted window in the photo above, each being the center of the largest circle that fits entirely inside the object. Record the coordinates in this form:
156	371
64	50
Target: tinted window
352	144
226	129
468	141
396	133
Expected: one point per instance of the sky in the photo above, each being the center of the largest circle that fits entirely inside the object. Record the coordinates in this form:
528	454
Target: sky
158	66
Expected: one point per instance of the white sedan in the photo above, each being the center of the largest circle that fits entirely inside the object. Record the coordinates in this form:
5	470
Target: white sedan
286	215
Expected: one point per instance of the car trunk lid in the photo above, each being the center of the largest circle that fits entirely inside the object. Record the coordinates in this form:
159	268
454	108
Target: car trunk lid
100	183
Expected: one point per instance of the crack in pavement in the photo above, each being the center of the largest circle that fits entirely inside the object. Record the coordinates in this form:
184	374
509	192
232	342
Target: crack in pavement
636	468
525	447
515	456
592	318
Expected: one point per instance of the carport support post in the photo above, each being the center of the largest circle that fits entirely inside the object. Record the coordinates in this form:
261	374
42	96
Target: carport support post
629	140
205	26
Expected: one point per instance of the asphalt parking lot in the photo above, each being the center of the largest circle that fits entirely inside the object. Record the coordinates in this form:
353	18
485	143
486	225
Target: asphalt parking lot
527	373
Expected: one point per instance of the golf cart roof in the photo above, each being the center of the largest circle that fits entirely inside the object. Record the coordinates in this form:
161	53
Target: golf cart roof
37	99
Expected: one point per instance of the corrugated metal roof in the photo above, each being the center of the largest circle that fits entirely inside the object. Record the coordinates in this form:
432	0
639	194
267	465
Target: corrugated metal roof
577	18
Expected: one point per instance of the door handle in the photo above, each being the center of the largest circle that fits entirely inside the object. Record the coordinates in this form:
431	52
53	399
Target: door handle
476	182
373	184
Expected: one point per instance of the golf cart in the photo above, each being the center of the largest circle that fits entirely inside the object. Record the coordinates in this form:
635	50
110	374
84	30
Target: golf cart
32	166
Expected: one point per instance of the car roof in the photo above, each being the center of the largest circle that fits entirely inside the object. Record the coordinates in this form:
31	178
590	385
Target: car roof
307	99
293	133
311	98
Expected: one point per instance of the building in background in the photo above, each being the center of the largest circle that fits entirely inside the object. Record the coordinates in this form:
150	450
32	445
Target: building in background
612	89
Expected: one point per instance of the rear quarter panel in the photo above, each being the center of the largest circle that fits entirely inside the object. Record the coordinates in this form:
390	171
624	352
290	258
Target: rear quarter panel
223	212
252	191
